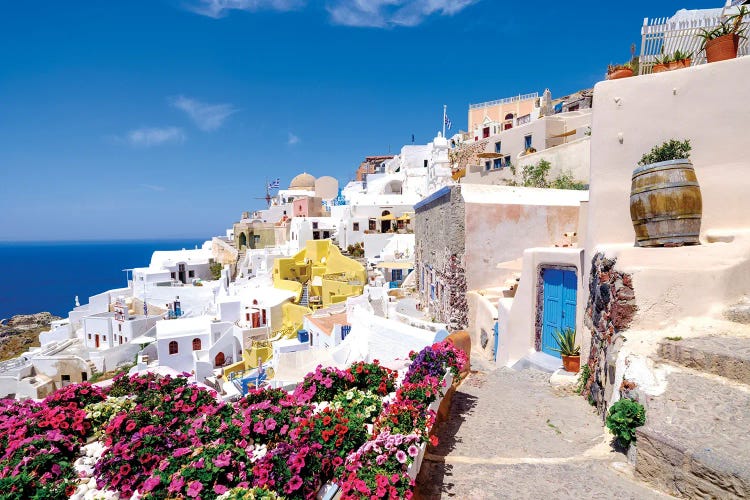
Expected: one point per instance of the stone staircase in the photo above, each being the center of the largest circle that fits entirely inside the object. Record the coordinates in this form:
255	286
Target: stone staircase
305	298
696	441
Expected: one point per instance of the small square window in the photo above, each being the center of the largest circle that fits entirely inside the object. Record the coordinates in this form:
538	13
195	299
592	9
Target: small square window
355	226
65	378
497	163
89	336
315	225
191	274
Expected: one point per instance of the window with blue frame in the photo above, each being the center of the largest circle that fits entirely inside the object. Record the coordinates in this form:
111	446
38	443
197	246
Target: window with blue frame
527	142
487	165
497	147
432	292
497	163
507	161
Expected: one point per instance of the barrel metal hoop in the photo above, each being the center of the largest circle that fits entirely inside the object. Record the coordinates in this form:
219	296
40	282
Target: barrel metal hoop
671	235
665	186
663	165
665	218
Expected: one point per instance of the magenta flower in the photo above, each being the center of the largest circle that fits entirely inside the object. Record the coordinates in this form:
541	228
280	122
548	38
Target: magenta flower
224	459
194	489
413	451
151	483
401	456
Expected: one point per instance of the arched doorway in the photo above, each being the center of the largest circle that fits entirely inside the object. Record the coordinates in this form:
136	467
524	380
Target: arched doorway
219	359
385	225
243	241
508	123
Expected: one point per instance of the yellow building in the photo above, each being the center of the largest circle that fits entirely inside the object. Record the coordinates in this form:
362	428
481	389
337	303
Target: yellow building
319	275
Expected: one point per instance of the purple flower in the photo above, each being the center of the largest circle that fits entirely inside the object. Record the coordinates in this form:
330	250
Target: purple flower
401	456
224	459
194	489
151	483
413	451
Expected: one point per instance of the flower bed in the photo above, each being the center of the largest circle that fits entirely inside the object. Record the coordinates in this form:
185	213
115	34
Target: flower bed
161	437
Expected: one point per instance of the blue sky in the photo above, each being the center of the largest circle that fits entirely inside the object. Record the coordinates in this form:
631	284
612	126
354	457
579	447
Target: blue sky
162	118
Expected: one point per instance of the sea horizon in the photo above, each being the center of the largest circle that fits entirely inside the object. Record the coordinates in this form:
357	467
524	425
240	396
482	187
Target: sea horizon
47	275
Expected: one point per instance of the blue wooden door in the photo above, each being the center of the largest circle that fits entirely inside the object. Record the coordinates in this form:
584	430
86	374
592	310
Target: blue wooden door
559	306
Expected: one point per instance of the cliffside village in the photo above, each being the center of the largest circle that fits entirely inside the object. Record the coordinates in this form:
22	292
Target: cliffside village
514	230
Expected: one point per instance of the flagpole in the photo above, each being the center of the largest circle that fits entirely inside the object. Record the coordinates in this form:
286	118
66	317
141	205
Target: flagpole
445	111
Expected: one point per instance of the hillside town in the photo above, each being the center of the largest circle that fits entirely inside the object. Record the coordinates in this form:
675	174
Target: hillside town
533	244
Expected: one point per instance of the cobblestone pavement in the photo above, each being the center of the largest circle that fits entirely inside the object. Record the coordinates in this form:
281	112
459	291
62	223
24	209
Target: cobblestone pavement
513	435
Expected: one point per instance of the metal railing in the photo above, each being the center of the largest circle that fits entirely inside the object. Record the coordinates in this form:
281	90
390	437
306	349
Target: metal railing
663	36
507	100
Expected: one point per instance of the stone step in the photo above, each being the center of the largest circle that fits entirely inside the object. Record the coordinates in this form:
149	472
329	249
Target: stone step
725	356
696	441
739	312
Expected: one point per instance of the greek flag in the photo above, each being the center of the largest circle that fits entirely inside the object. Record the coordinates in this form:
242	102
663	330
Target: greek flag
448	122
275	184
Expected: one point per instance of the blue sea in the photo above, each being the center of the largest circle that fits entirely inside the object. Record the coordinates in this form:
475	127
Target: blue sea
46	276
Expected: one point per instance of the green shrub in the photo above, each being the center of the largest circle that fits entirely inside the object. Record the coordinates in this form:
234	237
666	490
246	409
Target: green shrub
669	150
215	268
583	379
623	417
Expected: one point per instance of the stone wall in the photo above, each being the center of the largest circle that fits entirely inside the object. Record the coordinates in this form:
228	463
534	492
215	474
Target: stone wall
439	230
609	312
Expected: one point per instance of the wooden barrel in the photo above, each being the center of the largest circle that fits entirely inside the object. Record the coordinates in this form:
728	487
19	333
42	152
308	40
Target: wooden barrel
666	204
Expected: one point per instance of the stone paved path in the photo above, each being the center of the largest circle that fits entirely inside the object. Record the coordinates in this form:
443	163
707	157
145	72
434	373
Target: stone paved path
513	435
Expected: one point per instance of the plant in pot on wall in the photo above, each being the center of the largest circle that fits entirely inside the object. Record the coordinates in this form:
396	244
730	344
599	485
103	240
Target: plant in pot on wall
669	62
570	352
617	71
665	198
723	41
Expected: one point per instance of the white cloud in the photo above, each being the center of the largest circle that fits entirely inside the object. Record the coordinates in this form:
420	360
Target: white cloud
360	13
153	136
387	13
293	139
153	187
220	8
205	116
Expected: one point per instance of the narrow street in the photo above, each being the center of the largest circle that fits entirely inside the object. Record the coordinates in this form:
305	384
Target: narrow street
513	435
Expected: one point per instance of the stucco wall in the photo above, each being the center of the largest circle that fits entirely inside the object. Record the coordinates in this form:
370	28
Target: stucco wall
573	157
707	104
498	233
517	328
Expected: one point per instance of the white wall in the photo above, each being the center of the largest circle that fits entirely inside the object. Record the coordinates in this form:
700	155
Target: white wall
707	104
518	333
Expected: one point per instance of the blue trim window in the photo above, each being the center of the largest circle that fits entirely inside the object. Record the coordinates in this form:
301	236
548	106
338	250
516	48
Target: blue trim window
487	165
527	142
497	147
497	163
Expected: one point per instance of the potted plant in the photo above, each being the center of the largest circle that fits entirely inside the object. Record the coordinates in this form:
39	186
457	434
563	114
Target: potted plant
665	197
570	352
662	64
617	71
722	42
680	60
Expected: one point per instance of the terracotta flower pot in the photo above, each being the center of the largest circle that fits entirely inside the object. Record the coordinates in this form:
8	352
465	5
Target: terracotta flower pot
685	63
658	68
571	363
722	48
620	73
